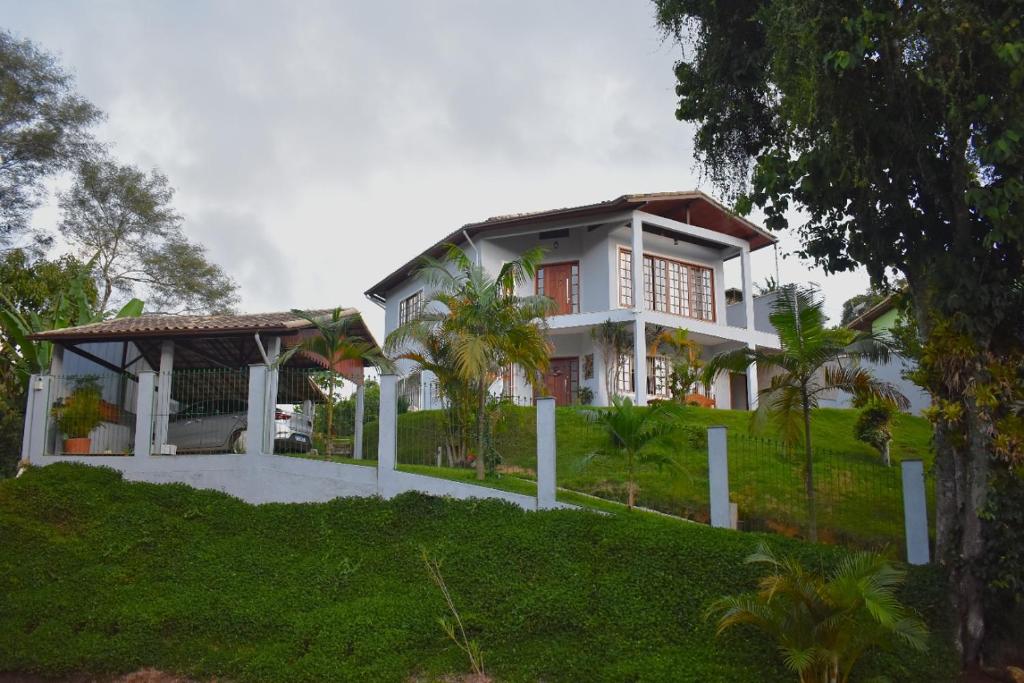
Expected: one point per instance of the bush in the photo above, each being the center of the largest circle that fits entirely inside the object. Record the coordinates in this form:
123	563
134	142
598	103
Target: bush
102	576
874	427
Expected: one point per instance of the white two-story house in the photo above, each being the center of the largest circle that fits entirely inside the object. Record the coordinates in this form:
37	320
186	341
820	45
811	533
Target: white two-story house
670	246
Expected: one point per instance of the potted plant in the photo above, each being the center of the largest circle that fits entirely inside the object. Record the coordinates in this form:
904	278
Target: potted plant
77	415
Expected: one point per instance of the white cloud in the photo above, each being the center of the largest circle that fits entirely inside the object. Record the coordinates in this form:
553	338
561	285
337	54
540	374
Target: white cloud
318	145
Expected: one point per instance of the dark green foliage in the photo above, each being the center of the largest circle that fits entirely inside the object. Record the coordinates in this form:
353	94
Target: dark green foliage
44	128
874	427
101	575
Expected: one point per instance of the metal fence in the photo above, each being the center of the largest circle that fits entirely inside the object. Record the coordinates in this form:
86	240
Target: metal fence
91	414
857	499
205	411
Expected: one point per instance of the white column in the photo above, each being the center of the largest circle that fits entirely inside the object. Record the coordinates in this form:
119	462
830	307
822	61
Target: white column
37	417
718	478
639	324
748	286
640	359
915	512
270	429
546	453
752	384
602	397
357	428
387	439
163	395
256	424
144	415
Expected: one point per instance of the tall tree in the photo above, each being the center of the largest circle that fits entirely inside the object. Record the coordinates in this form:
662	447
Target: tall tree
898	129
123	218
488	325
44	128
814	361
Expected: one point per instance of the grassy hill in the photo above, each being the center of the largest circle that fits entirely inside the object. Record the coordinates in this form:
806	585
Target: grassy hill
103	576
859	499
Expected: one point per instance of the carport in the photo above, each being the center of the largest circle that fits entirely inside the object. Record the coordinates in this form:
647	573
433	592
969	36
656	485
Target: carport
194	358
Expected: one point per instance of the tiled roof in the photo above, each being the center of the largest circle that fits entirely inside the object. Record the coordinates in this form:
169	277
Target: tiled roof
188	325
662	203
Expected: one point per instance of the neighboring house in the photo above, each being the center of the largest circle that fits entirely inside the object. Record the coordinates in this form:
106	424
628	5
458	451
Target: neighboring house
880	319
671	246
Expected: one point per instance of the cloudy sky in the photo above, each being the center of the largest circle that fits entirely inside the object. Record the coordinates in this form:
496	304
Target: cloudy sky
315	146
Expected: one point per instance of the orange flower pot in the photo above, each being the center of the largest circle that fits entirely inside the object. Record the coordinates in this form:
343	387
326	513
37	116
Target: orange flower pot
79	446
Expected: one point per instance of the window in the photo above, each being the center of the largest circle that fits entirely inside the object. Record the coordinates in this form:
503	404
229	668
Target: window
671	286
657	376
624	382
409	307
508	381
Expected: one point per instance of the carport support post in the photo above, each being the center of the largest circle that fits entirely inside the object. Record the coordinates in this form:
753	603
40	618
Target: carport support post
718	477
915	512
270	428
33	440
387	439
163	395
545	453
357	428
752	386
144	415
257	414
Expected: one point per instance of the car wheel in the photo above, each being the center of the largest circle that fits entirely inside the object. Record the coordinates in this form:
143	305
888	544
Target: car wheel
237	443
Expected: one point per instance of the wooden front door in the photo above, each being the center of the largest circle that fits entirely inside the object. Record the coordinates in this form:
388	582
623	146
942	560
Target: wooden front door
563	379
561	282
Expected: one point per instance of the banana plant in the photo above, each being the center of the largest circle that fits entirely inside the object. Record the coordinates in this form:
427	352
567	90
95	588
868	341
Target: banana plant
25	356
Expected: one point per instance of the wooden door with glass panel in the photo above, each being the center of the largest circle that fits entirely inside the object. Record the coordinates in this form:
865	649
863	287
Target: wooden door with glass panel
562	380
560	282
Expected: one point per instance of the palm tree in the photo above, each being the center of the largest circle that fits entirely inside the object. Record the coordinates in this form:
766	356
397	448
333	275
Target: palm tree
612	340
634	433
810	364
823	624
333	343
487	325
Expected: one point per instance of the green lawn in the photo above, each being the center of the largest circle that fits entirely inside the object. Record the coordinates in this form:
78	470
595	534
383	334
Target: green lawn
103	576
859	499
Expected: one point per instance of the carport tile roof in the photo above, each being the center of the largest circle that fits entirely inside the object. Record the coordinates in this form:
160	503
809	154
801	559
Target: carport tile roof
189	325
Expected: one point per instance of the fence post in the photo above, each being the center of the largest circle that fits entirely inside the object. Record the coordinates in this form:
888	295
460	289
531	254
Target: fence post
256	420
357	428
915	512
33	440
546	453
387	438
718	478
144	414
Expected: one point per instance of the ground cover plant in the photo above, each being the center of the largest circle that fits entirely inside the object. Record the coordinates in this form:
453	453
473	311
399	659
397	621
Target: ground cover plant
106	576
860	499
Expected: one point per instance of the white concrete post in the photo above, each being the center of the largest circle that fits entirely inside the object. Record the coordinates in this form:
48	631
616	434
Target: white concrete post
57	361
387	440
546	453
270	428
256	418
718	477
640	359
639	324
163	396
915	512
748	286
144	415
357	428
752	383
37	417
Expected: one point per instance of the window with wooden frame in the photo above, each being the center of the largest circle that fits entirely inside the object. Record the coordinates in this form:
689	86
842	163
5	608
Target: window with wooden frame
658	371
671	286
410	307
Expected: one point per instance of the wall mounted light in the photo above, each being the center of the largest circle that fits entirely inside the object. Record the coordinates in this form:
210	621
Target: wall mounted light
555	245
